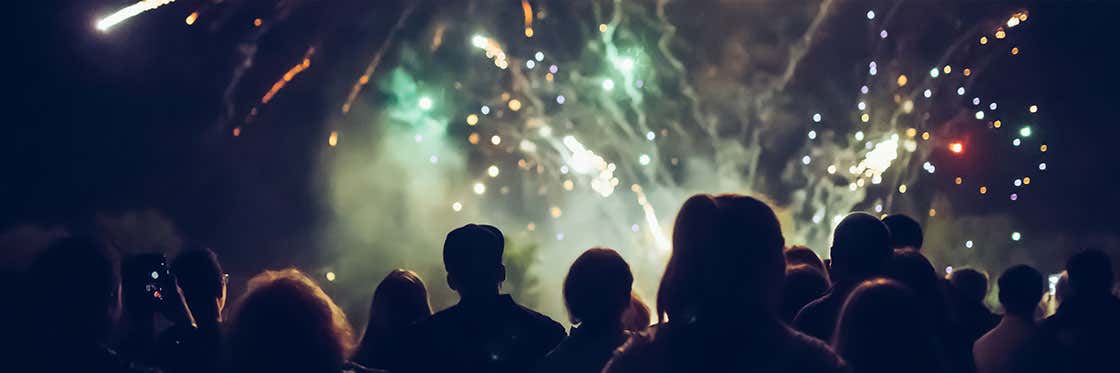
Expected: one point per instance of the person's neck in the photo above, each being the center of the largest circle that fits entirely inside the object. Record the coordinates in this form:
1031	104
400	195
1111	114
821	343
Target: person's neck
1012	318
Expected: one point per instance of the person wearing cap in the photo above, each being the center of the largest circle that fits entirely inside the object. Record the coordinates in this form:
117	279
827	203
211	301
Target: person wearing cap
487	331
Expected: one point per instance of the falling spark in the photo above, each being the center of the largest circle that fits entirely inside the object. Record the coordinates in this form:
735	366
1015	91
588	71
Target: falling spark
130	11
288	76
372	66
527	10
191	18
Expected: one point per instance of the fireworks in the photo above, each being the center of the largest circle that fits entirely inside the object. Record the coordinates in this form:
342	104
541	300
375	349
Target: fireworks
131	11
621	95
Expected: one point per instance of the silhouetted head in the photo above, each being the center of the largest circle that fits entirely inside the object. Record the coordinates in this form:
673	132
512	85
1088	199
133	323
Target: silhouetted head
878	330
472	255
285	323
1090	274
1020	289
803	284
636	318
970	284
905	231
860	248
76	294
726	260
399	300
801	255
597	288
912	269
203	283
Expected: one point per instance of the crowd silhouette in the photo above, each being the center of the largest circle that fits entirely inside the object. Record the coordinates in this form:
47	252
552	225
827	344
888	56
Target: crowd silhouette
733	297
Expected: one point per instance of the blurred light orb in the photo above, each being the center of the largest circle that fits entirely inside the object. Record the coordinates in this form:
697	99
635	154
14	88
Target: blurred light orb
425	103
980	114
870	14
960	91
968	244
806	160
493	171
608	84
456	206
1015	236
817	117
479	188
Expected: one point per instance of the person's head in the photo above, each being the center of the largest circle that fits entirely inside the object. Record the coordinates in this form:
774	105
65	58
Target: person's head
1020	289
472	255
597	288
803	284
399	300
636	318
727	257
878	330
801	255
203	283
905	231
970	284
76	294
285	323
912	269
1090	274
860	248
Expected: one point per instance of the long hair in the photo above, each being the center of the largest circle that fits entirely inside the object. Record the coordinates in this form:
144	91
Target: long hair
727	257
597	288
880	329
399	300
285	323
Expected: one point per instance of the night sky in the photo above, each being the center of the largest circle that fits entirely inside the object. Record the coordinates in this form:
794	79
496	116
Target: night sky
124	121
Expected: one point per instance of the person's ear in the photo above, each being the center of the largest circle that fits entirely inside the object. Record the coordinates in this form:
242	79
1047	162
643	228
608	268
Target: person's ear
501	272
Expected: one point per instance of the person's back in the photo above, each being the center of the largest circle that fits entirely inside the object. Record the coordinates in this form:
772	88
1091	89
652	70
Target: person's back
860	249
718	299
1020	290
912	269
75	301
597	293
881	330
1082	335
486	331
967	288
400	300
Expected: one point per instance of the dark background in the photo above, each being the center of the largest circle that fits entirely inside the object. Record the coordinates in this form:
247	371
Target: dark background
124	121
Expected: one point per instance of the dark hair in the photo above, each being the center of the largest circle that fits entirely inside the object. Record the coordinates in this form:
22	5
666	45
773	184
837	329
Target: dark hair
912	269
803	284
399	301
201	278
727	257
1020	290
597	288
878	330
801	255
472	255
970	284
76	292
285	323
860	248
1090	273
905	231
636	318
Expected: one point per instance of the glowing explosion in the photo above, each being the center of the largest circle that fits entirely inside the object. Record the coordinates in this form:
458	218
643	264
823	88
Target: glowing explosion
590	121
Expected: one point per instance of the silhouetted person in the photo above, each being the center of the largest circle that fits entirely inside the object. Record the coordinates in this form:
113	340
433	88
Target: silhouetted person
906	233
285	323
636	318
399	301
597	293
1084	335
803	284
203	283
801	255
860	249
486	331
1020	289
76	300
912	269
968	288
719	296
879	331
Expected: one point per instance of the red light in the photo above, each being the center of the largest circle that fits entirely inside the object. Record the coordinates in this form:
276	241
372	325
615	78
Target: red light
956	147
157	295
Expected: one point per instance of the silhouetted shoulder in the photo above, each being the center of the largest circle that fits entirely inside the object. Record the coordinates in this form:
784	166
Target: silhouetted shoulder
543	322
638	354
813	354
